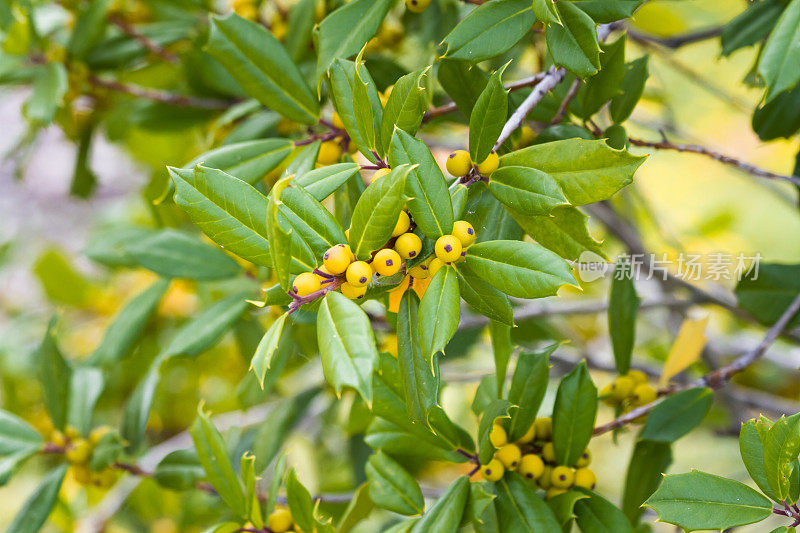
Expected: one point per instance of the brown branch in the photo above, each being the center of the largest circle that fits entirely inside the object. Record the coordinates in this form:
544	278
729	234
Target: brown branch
180	100
562	109
676	41
145	41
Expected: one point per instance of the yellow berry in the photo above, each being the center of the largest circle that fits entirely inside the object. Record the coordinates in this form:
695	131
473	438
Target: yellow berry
435	265
408	245
417	6
420	271
544	428
381	172
458	163
549	452
489	164
354	293
58	438
643	394
622	388
509	455
71	433
562	477
531	466
403	223
498	436
387	262
448	248
552	492
359	274
585	478
337	258
98	433
526	136
584	460
336	120
493	471
607	395
529	435
638	376
82	474
464	232
279	520
305	284
544	479
79	451
329	153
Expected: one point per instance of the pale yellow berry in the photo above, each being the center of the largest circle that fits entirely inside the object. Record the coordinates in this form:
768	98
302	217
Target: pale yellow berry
448	248
359	274
464	232
305	284
337	258
509	455
408	245
402	225
489	165
498	436
354	293
459	163
387	262
531	466
585	478
562	477
329	153
493	471
279	520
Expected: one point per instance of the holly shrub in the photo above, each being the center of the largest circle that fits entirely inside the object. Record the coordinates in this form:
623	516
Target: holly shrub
361	195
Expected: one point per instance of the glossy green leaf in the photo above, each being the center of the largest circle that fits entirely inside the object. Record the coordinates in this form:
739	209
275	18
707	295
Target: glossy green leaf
260	64
206	328
563	505
300	504
607	11
488	117
357	510
16	435
482	297
500	334
109	449
766	292
347	345
677	415
497	409
341	87
574	414
751	26
249	161
300	28
445	515
90	26
607	83
780	117
85	386
623	306
521	269
780	54
262	359
489	217
322	182
648	462
179	470
310	221
573	43
272	432
489	30
463	82
564	231
426	189
587	171
49	88
633	83
405	106
55	375
697	500
279	237
526	190
528	386
595	514
781	448
751	448
439	311
546	11
521	509
40	503
480	506
416	365
392	487
367	115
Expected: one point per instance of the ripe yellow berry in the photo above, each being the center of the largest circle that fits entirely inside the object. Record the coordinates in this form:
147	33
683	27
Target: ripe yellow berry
552	492
448	248
337	258
622	388
417	6
354	293
638	376
279	520
489	164
329	153
544	428
509	455
305	284
336	120
58	438
549	452
464	232
79	451
529	435
493	471
359	274
381	172
403	223
435	265
408	245
82	474
584	460
498	436
643	394
458	163
531	466
544	479
71	433
387	262
420	271
562	477
607	395
585	478
526	136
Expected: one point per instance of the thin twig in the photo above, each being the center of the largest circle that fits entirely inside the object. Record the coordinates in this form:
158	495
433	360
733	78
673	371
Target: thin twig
165	97
562	109
677	41
145	41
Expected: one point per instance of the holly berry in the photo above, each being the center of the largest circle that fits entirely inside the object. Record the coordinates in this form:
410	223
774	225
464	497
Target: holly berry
544	428
387	262
549	452
585	478
408	245
417	6
279	520
448	248
493	471
544	479
403	223
79	451
305	284
509	455
359	274
464	232
337	258
562	477
584	460
329	153
529	435
489	165
531	466
459	163
552	492
381	172
498	436
336	120
643	394
622	387
638	376
435	265
354	293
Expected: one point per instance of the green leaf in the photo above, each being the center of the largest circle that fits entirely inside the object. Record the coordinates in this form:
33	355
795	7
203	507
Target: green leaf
490	30
16	435
751	448
249	161
521	269
445	515
595	514
37	507
648	462
780	54
368	116
439	312
526	190
108	450
279	237
375	215
213	455
677	415
573	43
697	500
55	375
262	359
480	505
574	414
500	335
205	329
128	325
607	83
358	509
546	11
341	87
300	28
751	26
521	508
563	505
766	292
261	66
528	386
322	182
587	171
271	434
49	88
636	73
347	345
232	213
607	11
781	448
300	504
488	216
392	487
499	408
174	254
89	29
420	383
426	189
85	386
345	31
405	106
564	231
623	305
780	117
10	464
310	221
482	297
248	474
463	82
488	117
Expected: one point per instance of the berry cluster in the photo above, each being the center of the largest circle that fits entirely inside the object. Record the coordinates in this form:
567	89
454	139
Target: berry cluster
533	456
280	520
628	391
78	451
460	164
